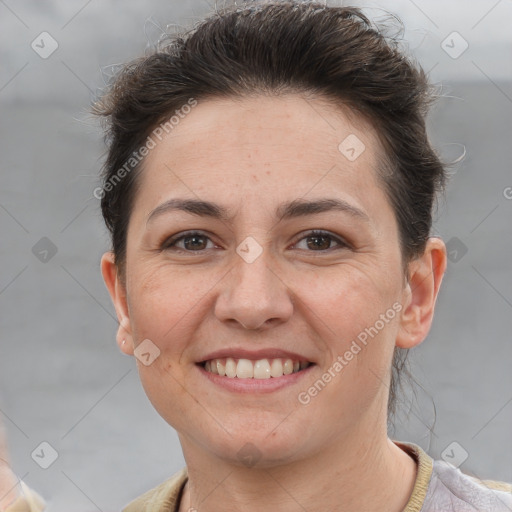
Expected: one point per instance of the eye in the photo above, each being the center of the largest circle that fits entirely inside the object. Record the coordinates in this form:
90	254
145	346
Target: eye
196	241
320	241
191	241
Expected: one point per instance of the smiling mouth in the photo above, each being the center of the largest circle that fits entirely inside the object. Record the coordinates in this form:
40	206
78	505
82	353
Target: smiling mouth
249	369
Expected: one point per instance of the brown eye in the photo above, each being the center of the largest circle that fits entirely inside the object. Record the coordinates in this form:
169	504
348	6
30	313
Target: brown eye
319	241
188	242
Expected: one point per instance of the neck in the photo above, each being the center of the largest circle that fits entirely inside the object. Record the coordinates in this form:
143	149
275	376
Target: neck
353	475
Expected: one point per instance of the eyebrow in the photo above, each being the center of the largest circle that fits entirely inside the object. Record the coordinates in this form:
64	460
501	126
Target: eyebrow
285	211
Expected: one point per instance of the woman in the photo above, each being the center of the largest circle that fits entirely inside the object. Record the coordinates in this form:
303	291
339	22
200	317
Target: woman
269	190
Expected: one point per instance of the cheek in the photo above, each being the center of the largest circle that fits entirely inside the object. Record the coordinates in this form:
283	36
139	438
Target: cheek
358	322
355	376
166	389
361	321
166	304
351	299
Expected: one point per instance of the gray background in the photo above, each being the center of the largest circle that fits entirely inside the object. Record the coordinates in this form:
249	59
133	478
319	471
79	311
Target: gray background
62	379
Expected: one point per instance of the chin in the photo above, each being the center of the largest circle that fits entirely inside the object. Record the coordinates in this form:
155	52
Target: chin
256	453
253	444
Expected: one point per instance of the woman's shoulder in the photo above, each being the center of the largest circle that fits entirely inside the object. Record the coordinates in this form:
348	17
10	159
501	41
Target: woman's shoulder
441	486
450	487
163	498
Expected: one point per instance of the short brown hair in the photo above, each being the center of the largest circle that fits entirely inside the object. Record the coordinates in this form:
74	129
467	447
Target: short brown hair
276	48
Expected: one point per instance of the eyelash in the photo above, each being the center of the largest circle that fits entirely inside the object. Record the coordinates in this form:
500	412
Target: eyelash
171	242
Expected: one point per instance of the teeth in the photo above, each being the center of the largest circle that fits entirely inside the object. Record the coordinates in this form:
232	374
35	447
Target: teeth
276	368
230	367
262	369
221	369
244	369
247	369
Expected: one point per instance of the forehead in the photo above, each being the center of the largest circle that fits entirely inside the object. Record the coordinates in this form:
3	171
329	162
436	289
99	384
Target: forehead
273	147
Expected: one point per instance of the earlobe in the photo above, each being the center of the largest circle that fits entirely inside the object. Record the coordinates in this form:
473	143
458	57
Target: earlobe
124	337
420	294
117	292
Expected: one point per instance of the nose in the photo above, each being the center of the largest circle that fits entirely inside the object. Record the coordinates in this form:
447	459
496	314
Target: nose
253	295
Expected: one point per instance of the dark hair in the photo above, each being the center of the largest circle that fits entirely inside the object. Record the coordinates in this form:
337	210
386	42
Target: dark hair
274	48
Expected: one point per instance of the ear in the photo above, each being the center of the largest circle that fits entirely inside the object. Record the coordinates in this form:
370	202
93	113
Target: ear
117	292
425	274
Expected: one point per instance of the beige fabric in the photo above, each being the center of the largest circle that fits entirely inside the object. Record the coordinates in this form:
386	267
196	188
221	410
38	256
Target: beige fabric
439	487
424	473
29	502
164	498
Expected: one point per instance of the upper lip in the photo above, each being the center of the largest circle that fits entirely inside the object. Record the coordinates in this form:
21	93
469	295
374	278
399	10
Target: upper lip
264	353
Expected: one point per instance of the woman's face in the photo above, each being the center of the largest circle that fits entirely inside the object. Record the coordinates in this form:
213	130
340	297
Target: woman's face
252	282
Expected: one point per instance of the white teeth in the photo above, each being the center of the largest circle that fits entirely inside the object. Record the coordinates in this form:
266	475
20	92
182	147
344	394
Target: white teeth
221	369
244	369
230	367
248	369
276	368
262	369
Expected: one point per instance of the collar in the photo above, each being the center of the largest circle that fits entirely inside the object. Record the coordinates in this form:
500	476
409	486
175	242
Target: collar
425	465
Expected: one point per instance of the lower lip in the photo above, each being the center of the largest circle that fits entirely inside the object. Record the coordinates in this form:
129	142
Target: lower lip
237	385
